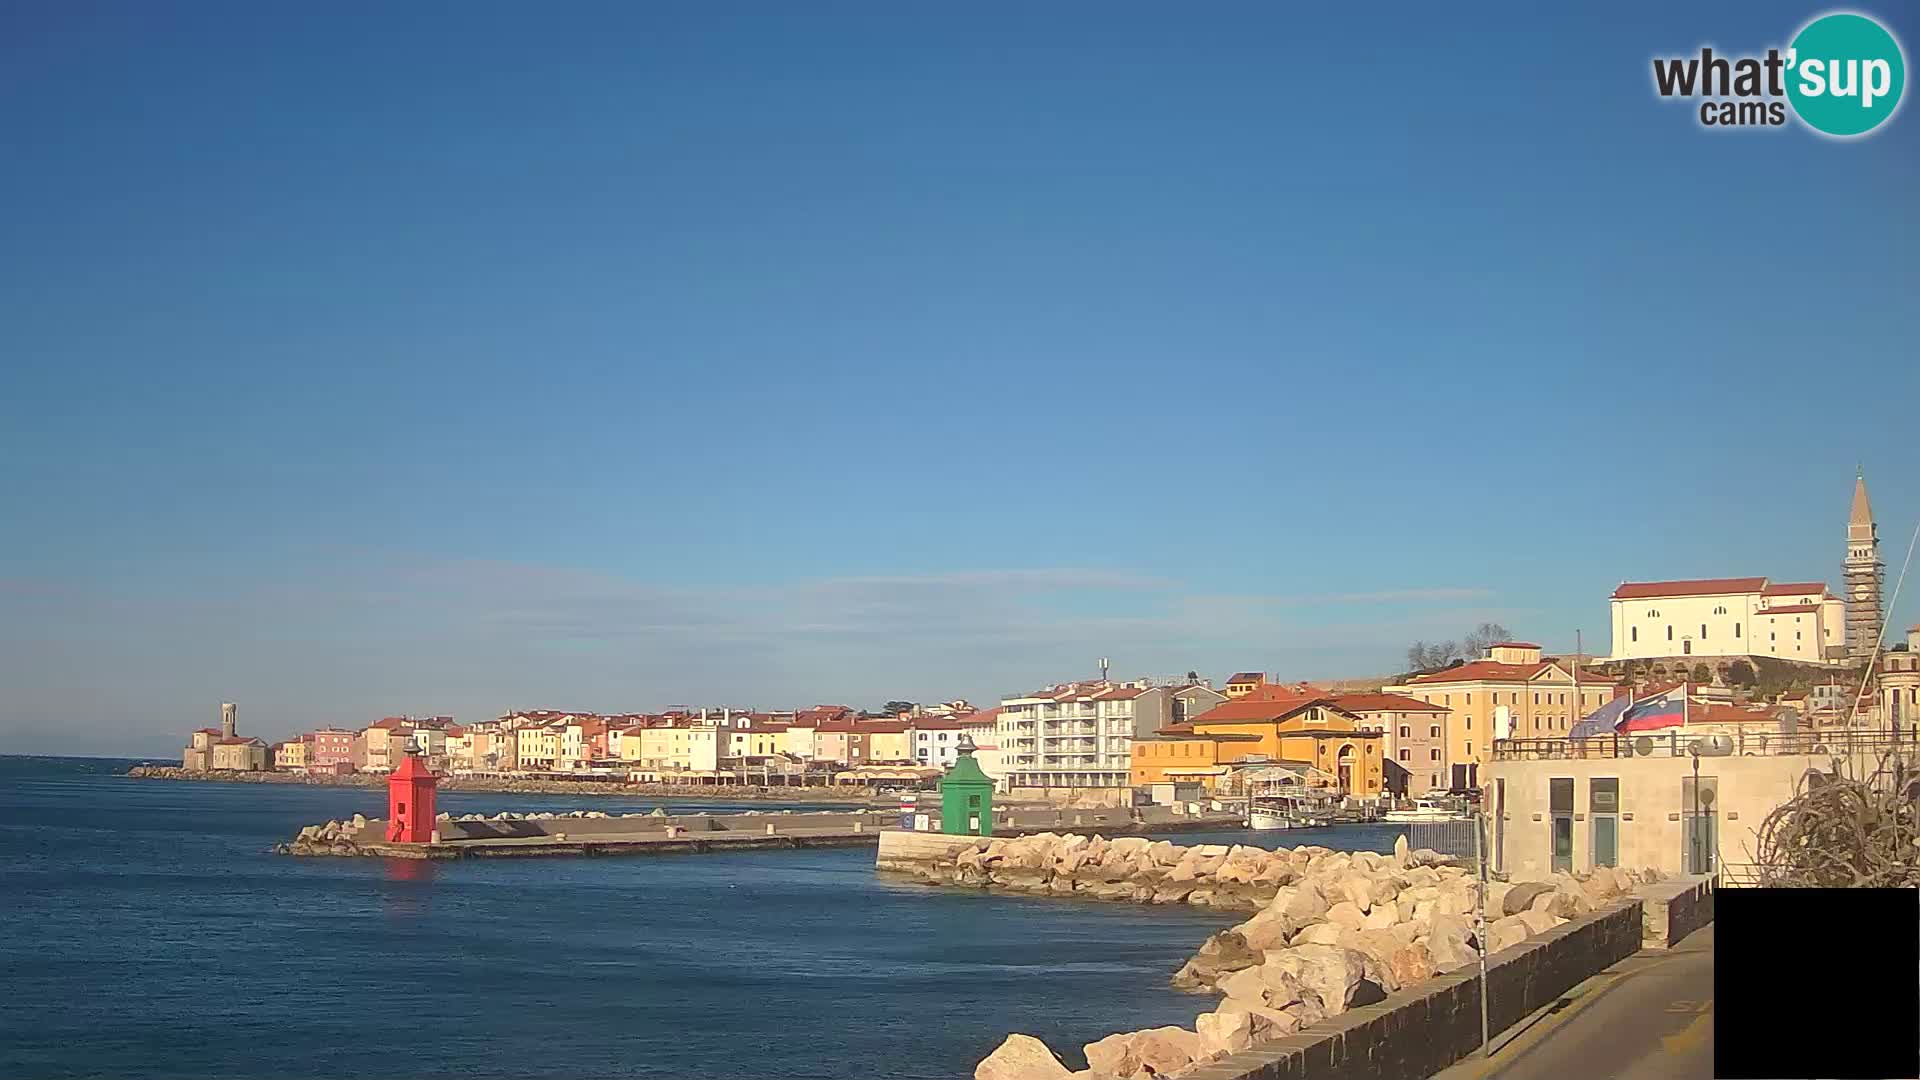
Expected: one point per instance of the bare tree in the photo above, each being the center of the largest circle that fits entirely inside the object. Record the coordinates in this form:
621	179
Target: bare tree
1485	635
1426	656
1843	831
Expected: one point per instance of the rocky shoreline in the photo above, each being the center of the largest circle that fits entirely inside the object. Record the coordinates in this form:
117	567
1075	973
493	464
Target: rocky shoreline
726	792
1330	931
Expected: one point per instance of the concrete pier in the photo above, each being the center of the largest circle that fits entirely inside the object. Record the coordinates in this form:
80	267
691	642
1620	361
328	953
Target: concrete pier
636	834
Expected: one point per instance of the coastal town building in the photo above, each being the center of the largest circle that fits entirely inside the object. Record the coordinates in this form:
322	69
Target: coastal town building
1416	734
1557	805
1900	684
332	748
224	748
293	755
1727	618
242	754
1268	726
1512	692
936	740
1076	736
1242	683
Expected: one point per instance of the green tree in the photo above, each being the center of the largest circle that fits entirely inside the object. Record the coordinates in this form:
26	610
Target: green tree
1740	673
1702	674
895	708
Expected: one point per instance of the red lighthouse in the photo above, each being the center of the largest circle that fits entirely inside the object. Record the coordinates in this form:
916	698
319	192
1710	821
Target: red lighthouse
410	814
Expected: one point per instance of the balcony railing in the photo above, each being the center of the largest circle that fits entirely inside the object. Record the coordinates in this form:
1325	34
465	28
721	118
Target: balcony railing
1675	743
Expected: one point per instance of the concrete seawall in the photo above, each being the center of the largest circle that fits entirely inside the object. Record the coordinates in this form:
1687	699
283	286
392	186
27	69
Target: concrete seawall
1416	1032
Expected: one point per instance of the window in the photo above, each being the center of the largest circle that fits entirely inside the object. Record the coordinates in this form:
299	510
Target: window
1469	723
1703	631
1736	629
1405	754
1669	631
1469	748
1469	698
1719	611
1405	731
1633	632
1433	732
1433	754
1536	697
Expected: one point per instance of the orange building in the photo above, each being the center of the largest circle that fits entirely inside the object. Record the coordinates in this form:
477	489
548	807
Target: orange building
1272	725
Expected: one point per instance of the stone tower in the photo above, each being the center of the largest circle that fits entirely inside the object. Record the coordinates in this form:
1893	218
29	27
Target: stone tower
228	713
1865	576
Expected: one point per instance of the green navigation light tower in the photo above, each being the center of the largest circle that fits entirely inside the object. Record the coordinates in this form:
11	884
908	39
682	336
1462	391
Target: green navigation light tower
966	796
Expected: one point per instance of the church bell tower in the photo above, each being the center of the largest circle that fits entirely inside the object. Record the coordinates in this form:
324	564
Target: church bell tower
1865	576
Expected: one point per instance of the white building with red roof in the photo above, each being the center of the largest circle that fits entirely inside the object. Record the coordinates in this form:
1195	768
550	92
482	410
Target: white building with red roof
1728	617
1079	735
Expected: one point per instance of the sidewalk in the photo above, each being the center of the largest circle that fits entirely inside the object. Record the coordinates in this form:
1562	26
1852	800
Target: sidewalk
1649	1017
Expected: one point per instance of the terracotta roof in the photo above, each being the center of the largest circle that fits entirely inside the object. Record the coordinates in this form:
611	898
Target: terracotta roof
1788	609
389	723
1256	708
1644	590
1248	676
1482	671
942	723
1513	645
209	731
1794	588
1385	702
882	727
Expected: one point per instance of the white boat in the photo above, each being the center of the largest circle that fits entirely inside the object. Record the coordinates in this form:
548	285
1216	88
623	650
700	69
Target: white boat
1266	817
1425	810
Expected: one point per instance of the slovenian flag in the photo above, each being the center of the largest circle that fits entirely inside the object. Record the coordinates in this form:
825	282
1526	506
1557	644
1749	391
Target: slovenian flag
1666	710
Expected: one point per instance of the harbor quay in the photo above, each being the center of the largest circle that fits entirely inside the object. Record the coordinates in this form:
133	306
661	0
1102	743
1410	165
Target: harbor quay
596	833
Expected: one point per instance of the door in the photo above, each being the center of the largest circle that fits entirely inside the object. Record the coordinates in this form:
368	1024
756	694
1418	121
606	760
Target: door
1603	793
1701	834
1560	805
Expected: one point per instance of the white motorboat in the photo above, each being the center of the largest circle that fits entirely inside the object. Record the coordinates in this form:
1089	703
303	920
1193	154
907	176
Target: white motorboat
1425	810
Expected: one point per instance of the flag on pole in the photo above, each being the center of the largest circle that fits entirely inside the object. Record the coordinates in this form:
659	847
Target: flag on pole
1666	710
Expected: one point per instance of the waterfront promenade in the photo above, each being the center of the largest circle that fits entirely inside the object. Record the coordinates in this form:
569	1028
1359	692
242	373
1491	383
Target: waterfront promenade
1648	1017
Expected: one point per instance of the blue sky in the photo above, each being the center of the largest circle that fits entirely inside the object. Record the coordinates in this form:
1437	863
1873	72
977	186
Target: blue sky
445	358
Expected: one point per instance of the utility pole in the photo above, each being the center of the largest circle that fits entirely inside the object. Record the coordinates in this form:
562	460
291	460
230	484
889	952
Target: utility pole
1480	921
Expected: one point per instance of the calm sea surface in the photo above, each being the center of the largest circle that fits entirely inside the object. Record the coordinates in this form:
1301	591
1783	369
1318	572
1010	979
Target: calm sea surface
149	932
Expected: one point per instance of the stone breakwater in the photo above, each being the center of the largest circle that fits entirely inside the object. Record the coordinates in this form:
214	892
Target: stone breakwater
512	786
1330	930
593	832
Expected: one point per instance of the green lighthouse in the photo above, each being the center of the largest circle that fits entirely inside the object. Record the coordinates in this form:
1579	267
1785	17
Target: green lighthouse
966	796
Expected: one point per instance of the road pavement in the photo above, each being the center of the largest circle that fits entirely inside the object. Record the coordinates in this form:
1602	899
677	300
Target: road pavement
1649	1017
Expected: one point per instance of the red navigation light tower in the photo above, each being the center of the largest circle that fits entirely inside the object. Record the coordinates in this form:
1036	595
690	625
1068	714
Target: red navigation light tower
410	813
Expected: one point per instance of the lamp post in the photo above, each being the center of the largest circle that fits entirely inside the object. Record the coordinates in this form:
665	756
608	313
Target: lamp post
1693	842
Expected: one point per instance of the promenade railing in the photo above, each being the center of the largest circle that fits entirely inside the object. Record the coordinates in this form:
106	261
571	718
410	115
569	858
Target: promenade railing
1676	743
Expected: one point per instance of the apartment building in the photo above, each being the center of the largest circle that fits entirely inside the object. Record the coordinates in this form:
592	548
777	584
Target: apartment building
1078	735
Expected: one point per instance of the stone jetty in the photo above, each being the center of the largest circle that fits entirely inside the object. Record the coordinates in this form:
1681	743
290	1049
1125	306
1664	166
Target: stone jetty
844	795
592	832
1330	931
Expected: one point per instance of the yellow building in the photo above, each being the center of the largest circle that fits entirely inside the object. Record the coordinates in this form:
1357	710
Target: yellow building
888	741
1512	693
680	749
291	755
1273	727
537	746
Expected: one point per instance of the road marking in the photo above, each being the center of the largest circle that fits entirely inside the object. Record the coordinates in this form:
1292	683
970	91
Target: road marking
1687	1005
1689	1038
